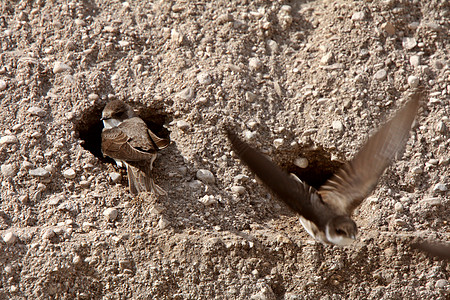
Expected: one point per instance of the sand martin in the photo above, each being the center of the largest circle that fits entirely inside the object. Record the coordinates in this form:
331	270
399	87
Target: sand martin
126	139
325	213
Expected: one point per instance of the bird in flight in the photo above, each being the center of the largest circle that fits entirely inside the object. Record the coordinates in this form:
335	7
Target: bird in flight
126	139
326	213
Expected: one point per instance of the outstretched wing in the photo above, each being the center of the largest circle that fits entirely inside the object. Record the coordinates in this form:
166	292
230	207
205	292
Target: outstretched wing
297	195
355	180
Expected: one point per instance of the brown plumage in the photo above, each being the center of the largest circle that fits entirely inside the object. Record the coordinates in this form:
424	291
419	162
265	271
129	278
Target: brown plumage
325	213
127	140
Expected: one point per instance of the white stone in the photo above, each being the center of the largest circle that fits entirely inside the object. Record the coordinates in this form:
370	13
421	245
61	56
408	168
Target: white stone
204	78
2	85
440	187
60	67
414	60
441	283
163	223
358	16
278	143
69	173
338	126
326	59
413	81
183	125
39	172
254	63
124	43
398	207
110	213
8	139
409	43
186	94
301	162
8	170
238	189
115	177
9	238
205	176
48	234
37	111
380	75
208	200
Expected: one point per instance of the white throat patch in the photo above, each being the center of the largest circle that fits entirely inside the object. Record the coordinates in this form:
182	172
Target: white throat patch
111	123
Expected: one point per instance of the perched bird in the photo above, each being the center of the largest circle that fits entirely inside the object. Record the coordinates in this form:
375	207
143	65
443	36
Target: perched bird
126	139
325	213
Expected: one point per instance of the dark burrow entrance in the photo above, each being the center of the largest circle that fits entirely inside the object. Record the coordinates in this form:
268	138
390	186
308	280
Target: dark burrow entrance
89	127
319	169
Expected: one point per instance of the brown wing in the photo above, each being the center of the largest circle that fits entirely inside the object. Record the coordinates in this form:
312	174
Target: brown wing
159	142
439	250
115	144
352	183
299	196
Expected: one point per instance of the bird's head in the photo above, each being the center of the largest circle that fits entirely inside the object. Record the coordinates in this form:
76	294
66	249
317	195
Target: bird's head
117	110
341	230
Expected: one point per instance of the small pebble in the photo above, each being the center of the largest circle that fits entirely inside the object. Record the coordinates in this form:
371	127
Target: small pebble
13	288
358	16
186	94
69	173
414	60
338	126
441	283
278	143
8	170
399	222
380	75
163	223
111	213
398	207
124	43
93	97
204	78
417	170
60	67
238	189
8	139
301	162
9	238
80	22
48	234
254	63
413	81
183	125
85	184
2	85
195	184
208	200
440	187
39	172
205	176
326	59
409	43
115	177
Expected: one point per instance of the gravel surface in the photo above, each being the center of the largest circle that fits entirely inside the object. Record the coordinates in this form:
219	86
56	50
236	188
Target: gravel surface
305	82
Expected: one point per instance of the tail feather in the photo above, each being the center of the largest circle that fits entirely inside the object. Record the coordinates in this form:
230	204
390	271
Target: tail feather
140	179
